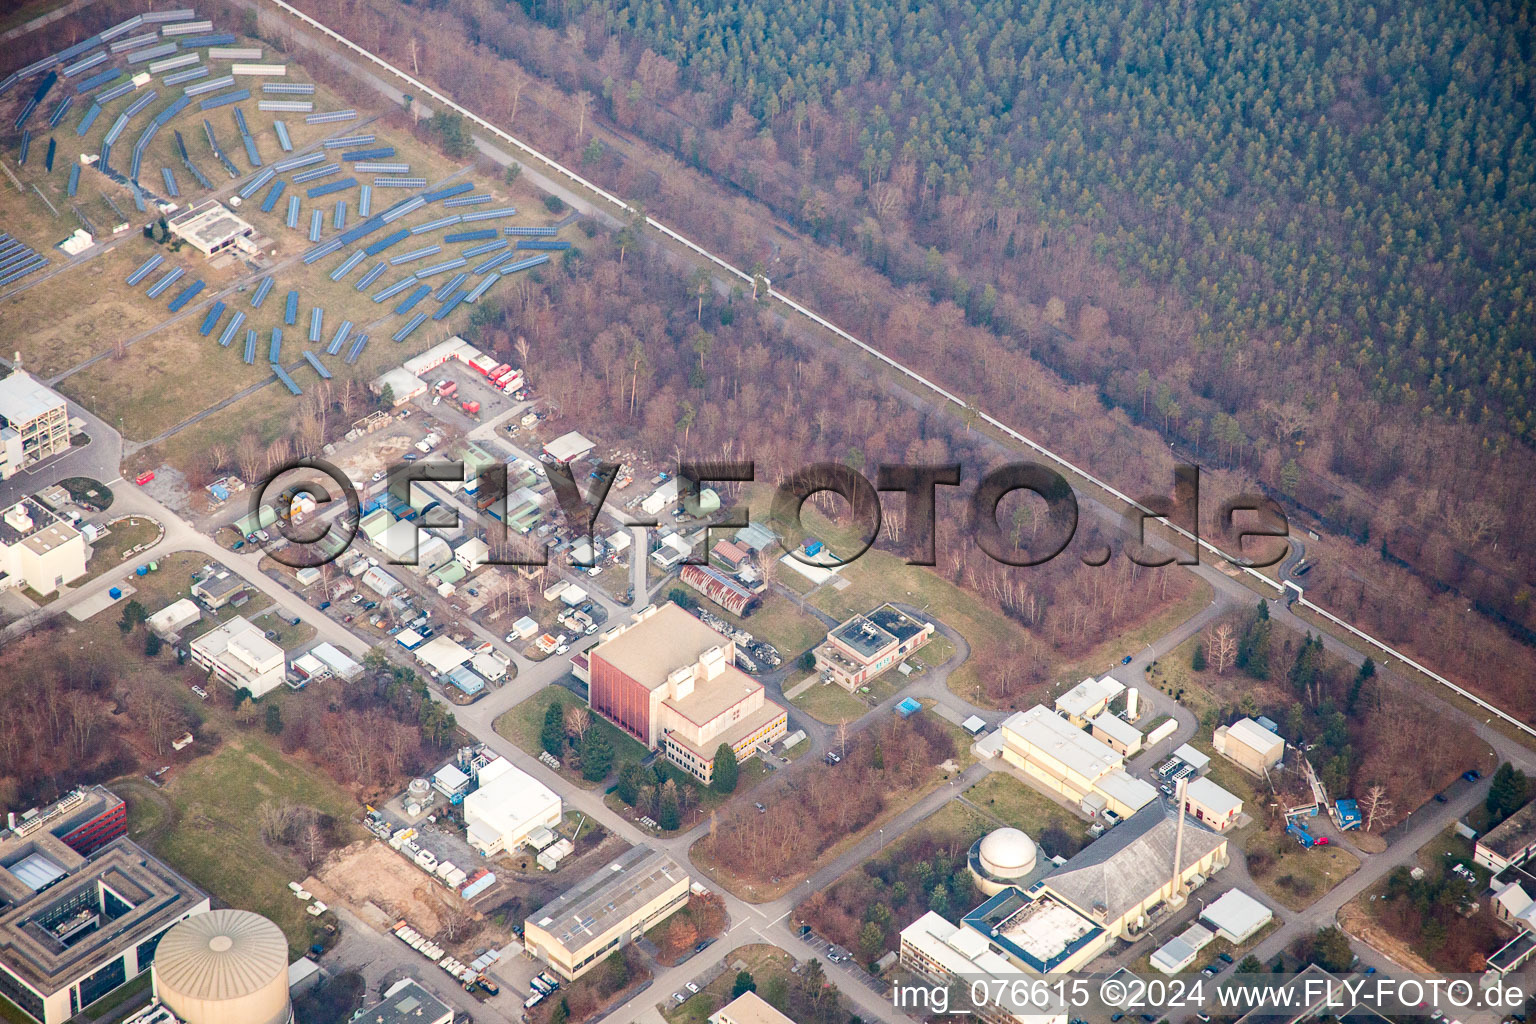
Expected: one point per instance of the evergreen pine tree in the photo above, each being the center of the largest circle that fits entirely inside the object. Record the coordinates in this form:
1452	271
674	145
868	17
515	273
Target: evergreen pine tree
552	735
726	771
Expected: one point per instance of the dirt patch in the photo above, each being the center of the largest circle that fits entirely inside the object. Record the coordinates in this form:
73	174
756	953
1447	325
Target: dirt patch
369	872
1358	924
1368	843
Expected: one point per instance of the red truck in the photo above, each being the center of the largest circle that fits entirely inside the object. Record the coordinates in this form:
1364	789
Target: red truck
470	407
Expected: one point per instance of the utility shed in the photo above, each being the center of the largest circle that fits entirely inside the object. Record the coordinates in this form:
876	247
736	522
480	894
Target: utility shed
440	655
1237	916
568	447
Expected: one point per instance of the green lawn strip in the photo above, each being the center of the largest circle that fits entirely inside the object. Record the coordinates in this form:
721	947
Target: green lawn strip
522	724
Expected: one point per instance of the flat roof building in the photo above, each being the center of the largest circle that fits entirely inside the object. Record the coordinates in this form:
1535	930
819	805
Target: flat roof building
949	954
34	423
211	228
218	587
1072	764
73	928
612	906
83	819
861	648
1512	841
1088	699
671	682
240	655
1122	737
38	549
568	447
1180	951
1236	916
506	808
1211	804
406	1002
1249	745
174	617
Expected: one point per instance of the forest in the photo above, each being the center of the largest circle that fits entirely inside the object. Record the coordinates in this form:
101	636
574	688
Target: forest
1055	329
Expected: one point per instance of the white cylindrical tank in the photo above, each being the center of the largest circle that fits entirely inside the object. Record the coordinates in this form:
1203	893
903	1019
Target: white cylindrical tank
1007	853
224	967
1130	704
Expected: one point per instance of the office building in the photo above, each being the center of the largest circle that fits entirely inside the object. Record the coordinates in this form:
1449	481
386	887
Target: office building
34	423
862	648
73	928
38	549
612	906
240	655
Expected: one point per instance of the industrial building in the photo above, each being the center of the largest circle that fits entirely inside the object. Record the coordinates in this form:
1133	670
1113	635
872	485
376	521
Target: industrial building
211	228
84	819
74	928
1117	888
406	1002
1071	764
614	905
748	1008
725	591
1512	841
506	808
1211	804
671	682
240	655
38	549
1249	745
860	649
957	955
34	423
406	382
1088	700
1126	877
1236	916
224	967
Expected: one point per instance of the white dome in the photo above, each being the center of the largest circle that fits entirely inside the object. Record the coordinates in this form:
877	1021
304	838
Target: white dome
1007	853
224	967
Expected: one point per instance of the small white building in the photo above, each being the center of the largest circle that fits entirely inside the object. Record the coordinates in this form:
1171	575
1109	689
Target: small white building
1121	735
472	554
1180	951
568	447
340	664
660	498
1237	916
1211	804
239	654
174	617
525	627
1192	757
488	668
508	805
441	655
450	781
1249	745
1088	699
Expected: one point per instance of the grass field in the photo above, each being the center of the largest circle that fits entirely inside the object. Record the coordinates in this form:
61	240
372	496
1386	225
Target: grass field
780	622
24	13
1299	877
1017	804
830	703
207	828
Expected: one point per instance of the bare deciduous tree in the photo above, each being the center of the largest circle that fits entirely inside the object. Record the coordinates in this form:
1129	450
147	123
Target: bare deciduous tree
1221	648
1377	807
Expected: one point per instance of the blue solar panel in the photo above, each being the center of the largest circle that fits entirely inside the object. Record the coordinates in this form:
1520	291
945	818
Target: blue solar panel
185	296
262	289
339	338
250	348
316	323
471	236
287	381
211	319
370	277
408	329
449	192
315	362
230	328
291	309
409	302
356	349
159	287
270	201
275	349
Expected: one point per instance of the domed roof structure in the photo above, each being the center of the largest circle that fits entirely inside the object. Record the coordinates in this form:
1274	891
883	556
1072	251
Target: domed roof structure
224	967
1007	853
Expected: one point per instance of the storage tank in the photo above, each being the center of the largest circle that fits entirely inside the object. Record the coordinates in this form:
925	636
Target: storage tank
419	788
224	967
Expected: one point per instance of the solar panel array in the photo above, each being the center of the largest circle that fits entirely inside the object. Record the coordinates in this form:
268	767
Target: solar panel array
185	296
17	260
211	319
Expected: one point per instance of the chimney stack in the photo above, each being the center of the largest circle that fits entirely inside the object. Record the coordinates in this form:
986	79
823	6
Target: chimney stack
1178	842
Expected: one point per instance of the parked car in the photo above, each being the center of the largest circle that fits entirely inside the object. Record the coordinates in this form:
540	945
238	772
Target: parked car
1125	660
562	648
324	605
1472	775
760	808
1439	798
693	987
1320	841
510	638
1225	958
679	997
376	477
